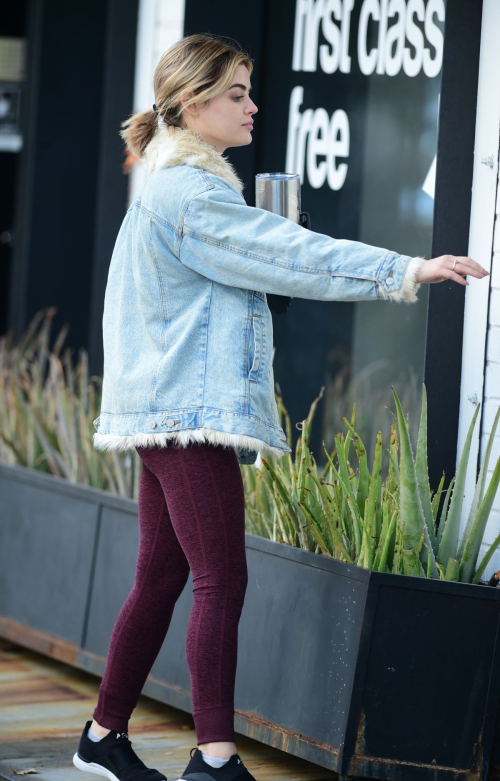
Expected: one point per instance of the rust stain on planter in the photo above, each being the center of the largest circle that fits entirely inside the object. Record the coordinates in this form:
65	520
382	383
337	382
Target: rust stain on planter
363	763
281	736
62	650
39	641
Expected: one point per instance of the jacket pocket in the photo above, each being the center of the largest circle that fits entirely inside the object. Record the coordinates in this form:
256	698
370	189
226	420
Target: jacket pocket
255	348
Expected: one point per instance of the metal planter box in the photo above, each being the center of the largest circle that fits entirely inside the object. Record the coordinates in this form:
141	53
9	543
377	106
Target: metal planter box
368	674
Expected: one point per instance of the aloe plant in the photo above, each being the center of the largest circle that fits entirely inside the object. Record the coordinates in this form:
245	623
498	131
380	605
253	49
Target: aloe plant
47	404
410	500
353	515
451	530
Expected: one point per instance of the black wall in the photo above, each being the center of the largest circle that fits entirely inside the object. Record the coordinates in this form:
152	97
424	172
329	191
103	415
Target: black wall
71	190
13	25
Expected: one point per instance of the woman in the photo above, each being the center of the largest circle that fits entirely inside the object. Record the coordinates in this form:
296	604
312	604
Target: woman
188	382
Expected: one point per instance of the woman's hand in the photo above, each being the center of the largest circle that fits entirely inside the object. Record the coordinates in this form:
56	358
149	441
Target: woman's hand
454	267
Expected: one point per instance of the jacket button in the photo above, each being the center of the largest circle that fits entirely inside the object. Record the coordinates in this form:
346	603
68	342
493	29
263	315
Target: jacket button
170	422
389	281
152	424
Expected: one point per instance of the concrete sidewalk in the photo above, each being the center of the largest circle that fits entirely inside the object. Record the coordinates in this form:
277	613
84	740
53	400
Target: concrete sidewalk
44	705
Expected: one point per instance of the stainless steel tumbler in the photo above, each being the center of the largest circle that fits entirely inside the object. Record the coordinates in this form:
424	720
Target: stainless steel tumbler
279	193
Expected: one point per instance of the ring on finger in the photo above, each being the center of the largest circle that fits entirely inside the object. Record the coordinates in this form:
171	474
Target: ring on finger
454	264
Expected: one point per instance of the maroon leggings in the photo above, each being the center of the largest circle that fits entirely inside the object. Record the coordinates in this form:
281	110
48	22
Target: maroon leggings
191	517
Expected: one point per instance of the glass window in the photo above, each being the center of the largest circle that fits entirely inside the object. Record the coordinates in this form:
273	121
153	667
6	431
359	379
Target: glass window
350	101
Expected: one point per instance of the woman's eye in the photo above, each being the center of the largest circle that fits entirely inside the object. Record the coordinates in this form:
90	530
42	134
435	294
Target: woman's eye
239	97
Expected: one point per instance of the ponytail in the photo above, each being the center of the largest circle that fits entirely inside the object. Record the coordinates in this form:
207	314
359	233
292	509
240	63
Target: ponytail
138	130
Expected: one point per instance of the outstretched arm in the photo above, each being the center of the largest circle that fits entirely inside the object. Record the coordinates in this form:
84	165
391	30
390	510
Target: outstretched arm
235	244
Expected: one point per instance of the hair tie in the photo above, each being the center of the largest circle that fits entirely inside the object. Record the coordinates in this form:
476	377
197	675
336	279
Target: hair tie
154	107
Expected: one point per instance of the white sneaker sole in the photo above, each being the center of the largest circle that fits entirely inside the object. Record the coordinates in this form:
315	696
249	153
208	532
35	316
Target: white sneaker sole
93	767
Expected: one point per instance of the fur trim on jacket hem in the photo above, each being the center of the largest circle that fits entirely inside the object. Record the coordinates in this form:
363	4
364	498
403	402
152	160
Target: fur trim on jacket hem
183	438
409	289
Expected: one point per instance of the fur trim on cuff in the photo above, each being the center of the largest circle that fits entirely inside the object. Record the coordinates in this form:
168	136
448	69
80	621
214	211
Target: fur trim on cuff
409	289
106	442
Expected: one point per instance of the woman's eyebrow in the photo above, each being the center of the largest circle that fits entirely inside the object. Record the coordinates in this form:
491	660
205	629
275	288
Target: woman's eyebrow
241	86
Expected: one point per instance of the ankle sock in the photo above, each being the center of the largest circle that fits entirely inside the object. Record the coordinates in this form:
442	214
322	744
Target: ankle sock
95	737
213	761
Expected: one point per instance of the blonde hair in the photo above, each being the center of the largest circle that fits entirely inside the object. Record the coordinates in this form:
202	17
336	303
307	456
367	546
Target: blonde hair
201	64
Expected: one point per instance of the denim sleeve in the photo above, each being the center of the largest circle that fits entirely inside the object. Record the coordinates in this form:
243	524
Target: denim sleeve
230	242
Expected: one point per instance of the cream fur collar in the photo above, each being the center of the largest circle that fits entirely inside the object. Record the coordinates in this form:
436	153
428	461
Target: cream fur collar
176	146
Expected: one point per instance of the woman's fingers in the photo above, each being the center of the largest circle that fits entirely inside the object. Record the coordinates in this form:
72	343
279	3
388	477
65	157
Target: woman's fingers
466	265
454	267
457	278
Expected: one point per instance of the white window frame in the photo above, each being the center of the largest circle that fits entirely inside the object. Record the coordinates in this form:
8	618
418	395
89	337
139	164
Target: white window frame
482	224
160	23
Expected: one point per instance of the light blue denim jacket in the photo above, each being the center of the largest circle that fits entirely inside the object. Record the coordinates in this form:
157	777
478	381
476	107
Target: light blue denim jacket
187	332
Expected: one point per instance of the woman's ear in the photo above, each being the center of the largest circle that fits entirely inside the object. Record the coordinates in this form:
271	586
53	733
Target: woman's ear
192	108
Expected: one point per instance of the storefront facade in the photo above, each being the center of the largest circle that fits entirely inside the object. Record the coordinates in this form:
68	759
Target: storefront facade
376	104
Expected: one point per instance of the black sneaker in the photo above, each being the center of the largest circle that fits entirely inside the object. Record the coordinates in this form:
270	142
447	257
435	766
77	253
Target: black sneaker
112	757
199	770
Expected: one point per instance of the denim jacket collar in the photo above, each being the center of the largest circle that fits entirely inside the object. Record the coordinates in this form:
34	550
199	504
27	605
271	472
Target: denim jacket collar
182	146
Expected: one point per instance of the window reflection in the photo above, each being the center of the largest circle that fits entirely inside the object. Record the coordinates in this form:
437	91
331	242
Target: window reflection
357	350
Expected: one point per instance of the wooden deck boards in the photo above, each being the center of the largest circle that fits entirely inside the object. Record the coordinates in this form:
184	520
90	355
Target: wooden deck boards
44	705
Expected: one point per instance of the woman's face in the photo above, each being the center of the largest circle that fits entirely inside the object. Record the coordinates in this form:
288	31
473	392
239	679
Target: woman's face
227	119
